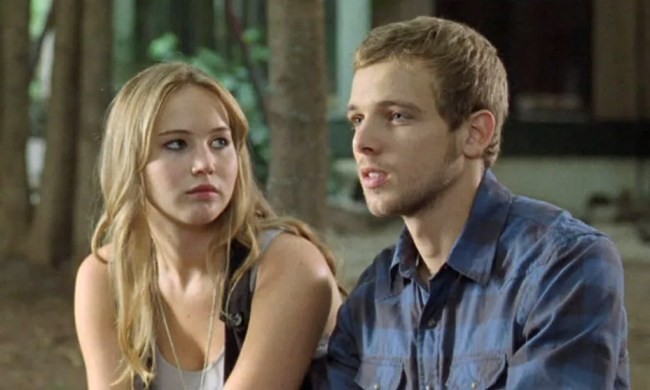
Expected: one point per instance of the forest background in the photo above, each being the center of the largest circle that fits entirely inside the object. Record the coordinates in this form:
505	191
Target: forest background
62	61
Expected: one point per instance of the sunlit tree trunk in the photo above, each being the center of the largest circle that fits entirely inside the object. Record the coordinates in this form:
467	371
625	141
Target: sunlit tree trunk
297	109
14	129
51	233
95	95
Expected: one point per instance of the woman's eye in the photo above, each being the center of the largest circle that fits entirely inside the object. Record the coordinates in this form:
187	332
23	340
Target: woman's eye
220	143
176	144
398	116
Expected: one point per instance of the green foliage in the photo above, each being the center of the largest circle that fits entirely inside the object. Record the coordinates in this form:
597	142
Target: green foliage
234	75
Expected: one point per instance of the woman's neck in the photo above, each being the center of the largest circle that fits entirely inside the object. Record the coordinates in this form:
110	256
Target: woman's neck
182	253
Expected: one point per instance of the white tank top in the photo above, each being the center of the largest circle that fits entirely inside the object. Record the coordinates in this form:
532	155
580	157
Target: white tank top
168	377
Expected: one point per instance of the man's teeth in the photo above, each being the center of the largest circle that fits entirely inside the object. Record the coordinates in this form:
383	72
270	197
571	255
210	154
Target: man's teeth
374	175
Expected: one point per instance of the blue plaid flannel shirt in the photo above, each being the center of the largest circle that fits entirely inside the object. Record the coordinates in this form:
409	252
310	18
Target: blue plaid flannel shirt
530	298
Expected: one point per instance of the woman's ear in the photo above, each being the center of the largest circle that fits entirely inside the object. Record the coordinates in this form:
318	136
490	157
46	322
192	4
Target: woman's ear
480	131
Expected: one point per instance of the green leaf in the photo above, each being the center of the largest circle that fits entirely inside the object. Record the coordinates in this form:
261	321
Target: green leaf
164	48
252	35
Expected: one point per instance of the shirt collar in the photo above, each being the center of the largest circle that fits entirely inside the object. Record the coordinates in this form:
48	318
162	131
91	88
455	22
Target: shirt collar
473	253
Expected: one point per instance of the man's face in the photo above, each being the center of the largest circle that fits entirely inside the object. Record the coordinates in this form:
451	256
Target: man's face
405	153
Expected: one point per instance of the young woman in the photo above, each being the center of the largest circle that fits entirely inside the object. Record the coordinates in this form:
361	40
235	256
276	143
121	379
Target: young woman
183	225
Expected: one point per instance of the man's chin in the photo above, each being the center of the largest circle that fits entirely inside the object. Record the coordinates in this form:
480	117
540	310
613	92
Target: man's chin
379	209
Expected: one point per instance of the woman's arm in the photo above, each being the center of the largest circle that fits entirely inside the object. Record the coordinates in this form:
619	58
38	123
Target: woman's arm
294	298
94	316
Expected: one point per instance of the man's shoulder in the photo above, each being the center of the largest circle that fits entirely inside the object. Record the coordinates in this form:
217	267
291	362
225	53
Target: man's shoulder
539	236
541	220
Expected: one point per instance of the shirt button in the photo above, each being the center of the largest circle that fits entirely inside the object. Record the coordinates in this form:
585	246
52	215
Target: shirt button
428	387
473	385
376	386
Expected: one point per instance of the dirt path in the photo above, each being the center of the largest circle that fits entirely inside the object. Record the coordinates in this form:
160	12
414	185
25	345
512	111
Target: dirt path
38	346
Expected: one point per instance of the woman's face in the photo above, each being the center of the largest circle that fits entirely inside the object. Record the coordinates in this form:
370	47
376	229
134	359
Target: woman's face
192	167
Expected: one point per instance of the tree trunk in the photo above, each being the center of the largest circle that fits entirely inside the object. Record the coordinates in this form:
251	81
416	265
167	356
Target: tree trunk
152	19
203	23
125	58
2	106
2	91
297	113
51	234
14	191
182	25
95	95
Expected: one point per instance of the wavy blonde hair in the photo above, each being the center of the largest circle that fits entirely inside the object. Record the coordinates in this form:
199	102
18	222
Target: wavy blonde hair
466	72
123	223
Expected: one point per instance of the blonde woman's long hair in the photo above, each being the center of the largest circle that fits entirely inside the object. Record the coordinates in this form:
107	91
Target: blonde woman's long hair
123	223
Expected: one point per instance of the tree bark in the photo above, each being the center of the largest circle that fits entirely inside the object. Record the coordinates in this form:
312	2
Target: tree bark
297	109
51	233
153	18
182	25
203	17
125	58
95	95
14	190
2	76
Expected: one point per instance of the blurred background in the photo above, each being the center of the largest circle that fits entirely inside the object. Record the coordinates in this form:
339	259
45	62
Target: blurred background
578	133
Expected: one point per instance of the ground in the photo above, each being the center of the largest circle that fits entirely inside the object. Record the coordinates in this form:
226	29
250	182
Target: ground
38	347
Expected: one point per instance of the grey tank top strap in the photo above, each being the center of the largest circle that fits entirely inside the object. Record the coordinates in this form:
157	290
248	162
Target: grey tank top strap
265	238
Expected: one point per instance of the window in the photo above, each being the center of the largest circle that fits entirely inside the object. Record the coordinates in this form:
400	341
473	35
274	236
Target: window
546	48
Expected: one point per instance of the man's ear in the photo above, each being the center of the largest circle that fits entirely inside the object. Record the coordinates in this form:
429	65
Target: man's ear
480	131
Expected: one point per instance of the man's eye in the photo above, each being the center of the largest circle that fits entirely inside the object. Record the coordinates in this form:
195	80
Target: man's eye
176	144
355	121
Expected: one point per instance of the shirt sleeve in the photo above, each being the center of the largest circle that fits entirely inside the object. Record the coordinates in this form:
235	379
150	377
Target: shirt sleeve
343	353
574	325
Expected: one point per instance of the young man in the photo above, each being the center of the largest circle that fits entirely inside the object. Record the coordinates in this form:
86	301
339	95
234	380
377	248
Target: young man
484	289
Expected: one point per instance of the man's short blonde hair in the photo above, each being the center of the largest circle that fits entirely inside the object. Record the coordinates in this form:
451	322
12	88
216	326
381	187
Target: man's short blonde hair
466	72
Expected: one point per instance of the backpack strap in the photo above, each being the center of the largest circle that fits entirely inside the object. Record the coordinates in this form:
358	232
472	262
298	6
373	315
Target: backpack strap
237	312
236	306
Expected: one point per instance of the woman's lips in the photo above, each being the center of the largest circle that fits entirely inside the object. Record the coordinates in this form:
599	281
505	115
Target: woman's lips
203	191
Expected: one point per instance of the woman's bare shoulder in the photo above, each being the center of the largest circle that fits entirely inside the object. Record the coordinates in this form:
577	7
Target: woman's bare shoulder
93	273
297	254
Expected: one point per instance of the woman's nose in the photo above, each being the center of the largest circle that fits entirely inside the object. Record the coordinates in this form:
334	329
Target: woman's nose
204	162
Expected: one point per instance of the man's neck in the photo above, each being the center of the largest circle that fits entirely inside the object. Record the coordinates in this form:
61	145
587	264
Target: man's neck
435	228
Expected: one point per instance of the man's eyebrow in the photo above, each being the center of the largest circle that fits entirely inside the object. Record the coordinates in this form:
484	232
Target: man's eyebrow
388	103
400	103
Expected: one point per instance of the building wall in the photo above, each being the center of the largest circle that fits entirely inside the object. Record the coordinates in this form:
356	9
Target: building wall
570	182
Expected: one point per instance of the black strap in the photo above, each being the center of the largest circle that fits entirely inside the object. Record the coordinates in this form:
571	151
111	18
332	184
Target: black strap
237	314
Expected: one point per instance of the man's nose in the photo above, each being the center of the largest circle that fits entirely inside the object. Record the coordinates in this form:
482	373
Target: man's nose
366	138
